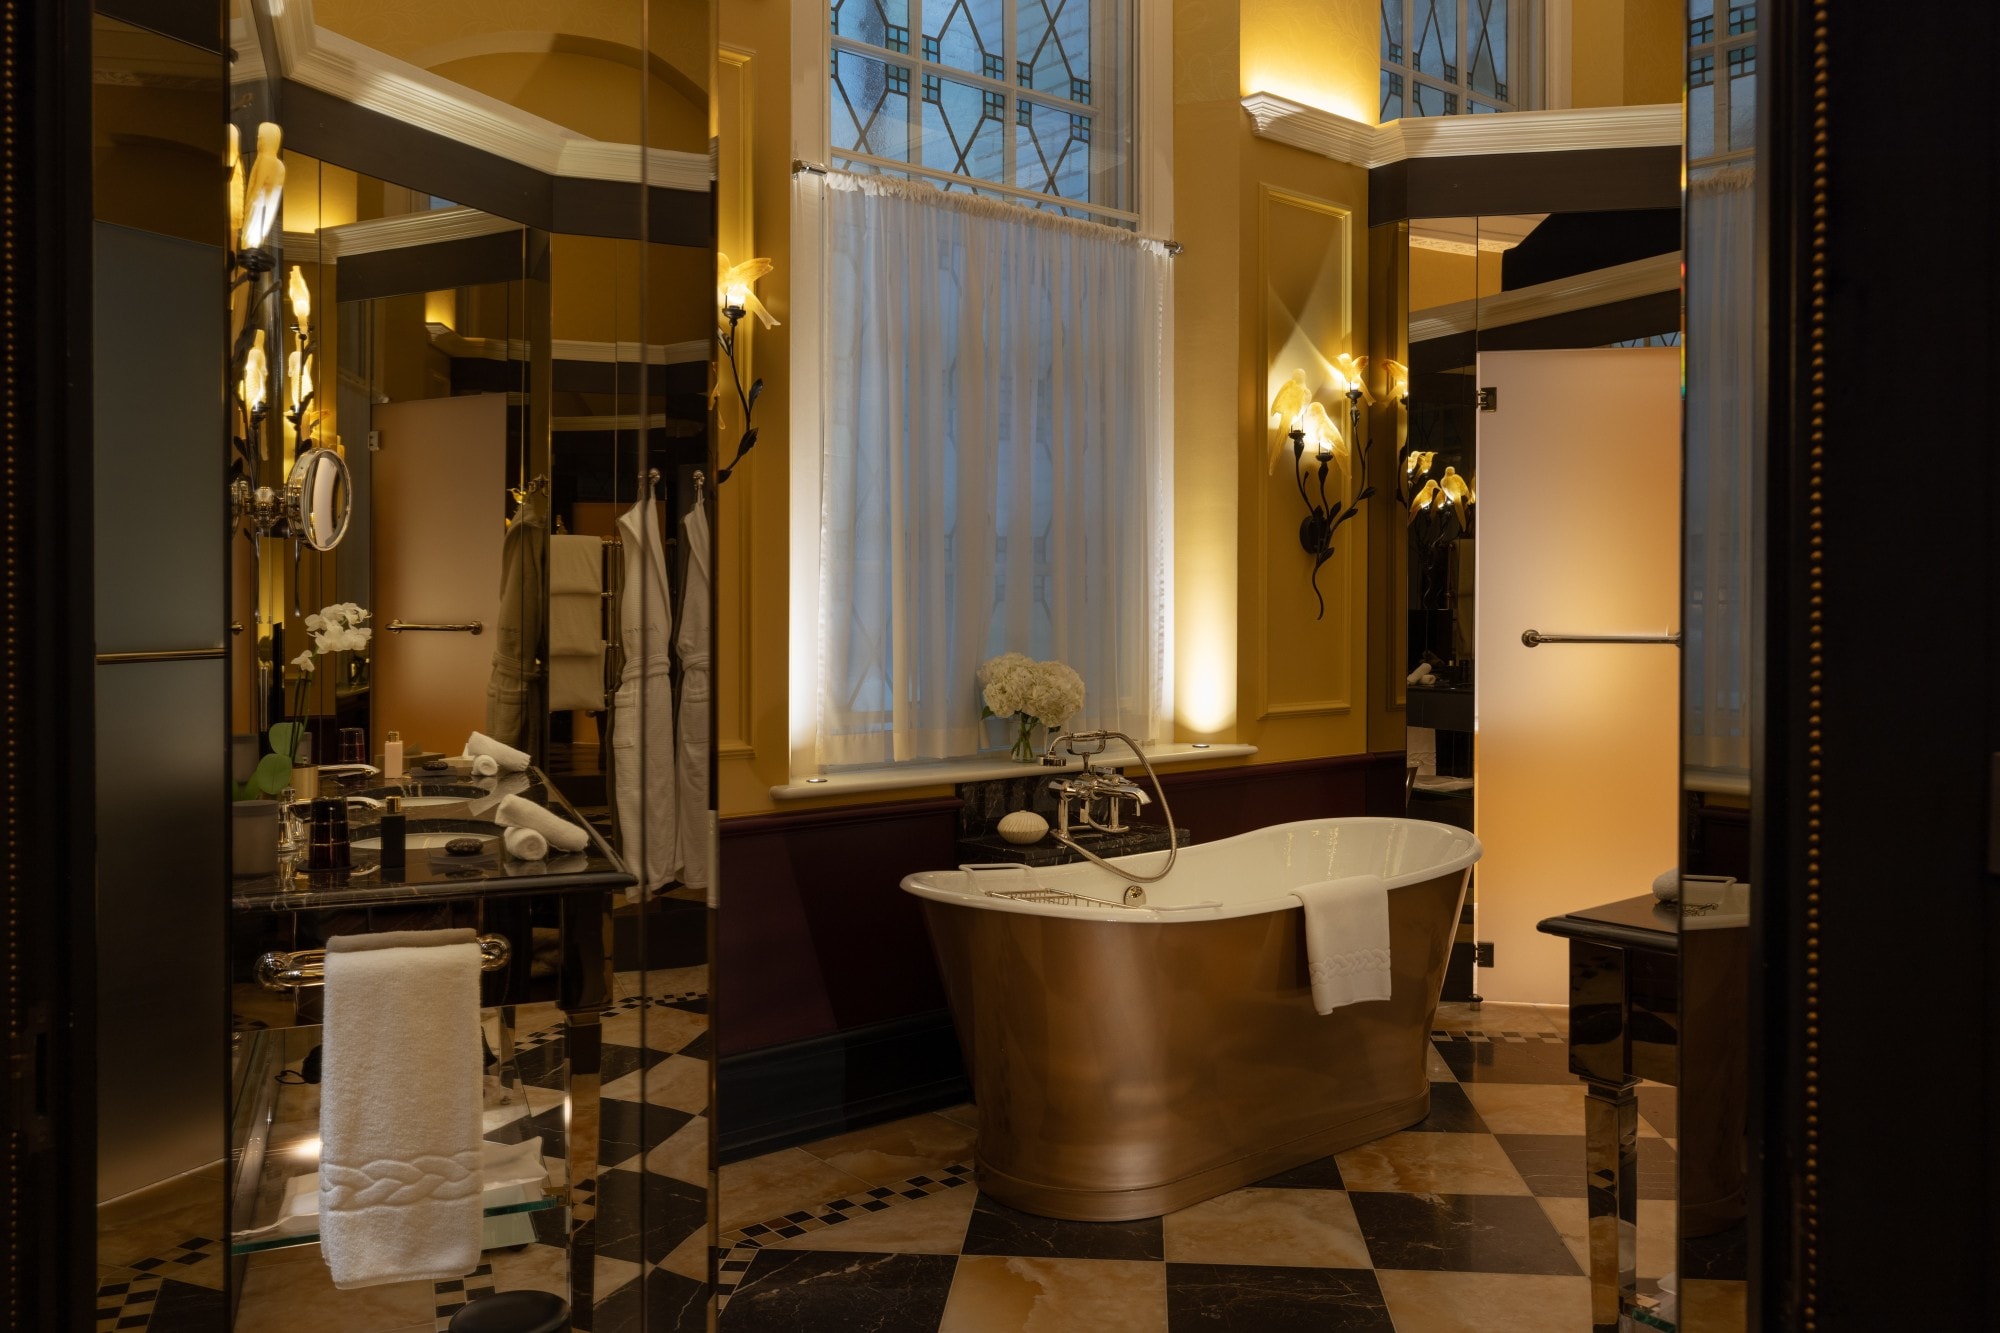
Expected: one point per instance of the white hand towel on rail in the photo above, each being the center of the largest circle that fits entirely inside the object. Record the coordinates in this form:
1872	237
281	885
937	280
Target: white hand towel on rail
1347	940
400	1108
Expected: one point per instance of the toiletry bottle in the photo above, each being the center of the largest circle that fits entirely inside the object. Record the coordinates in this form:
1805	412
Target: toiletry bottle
392	757
391	832
305	782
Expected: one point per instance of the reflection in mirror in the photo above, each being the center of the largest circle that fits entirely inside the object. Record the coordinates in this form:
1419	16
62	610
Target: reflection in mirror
472	300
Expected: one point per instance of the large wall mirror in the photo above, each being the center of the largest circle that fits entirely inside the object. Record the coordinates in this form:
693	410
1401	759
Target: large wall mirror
469	288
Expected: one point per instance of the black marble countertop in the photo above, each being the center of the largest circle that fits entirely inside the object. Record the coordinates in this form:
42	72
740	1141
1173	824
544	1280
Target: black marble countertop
1643	922
991	847
430	874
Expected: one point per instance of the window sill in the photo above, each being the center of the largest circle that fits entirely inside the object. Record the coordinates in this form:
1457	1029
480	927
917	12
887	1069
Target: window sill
944	773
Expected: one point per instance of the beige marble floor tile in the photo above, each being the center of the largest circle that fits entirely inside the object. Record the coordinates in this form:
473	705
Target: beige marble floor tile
689	1259
1277	1227
1493	1016
678	1081
153	1221
301	1298
1487	1302
546	1268
1535	1108
1714	1307
673	982
892	1153
1658	1232
934	1224
1431	1164
965	1113
684	1154
778	1183
996	1295
1435	1067
661	1027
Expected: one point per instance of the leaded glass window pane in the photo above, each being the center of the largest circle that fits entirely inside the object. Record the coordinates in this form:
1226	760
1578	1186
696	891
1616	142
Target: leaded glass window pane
1392	96
1425	100
1052	154
1486	47
962	132
1742	98
964	34
1053	46
1437	40
1701	121
883	23
1392	33
871	106
1742	19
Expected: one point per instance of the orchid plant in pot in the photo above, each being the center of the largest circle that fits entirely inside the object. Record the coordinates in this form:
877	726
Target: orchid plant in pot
336	628
1039	694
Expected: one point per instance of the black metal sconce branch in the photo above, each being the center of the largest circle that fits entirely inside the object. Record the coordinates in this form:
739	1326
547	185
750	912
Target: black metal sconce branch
748	398
1325	516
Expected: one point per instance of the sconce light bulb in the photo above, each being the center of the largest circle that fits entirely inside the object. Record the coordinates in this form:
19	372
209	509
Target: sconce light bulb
256	375
266	188
301	298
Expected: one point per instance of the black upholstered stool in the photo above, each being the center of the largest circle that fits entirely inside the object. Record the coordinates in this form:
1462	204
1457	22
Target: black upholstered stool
513	1312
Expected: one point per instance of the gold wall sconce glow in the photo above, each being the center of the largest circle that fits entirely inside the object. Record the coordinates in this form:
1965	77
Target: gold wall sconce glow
256	200
733	284
1311	426
1440	509
1399	381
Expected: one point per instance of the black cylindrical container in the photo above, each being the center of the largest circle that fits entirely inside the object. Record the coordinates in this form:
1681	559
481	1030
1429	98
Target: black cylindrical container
326	839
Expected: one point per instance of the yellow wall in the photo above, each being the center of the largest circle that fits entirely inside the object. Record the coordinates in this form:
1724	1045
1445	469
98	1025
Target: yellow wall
1626	52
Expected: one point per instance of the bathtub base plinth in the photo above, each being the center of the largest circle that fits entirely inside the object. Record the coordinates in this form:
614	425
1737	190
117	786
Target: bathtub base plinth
1076	1205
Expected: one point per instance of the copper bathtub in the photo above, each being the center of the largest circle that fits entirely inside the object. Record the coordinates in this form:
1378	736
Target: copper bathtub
1128	1062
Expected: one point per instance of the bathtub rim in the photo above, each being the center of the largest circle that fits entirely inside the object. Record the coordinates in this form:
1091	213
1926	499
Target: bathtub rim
920	883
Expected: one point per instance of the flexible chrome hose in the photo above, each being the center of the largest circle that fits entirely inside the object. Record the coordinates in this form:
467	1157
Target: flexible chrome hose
1166	808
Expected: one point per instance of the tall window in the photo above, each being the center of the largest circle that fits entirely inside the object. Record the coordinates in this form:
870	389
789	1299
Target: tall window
1451	57
1722	80
1024	99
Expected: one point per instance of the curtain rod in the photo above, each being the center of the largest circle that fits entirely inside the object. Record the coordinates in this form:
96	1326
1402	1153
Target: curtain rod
801	167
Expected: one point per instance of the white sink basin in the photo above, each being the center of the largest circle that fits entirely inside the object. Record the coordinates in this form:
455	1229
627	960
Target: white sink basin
423	841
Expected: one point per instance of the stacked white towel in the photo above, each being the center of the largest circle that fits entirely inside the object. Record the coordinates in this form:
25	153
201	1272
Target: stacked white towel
1347	941
506	756
576	622
519	812
524	844
400	1108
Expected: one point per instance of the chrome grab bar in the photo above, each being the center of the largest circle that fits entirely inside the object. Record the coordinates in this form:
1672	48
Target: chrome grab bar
465	627
300	968
1535	638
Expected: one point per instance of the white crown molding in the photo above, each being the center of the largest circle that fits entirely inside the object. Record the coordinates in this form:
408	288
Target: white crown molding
362	76
246	63
1620	282
404	230
1319	131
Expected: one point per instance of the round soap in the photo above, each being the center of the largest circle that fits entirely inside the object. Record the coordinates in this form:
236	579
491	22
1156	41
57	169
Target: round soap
1023	826
464	846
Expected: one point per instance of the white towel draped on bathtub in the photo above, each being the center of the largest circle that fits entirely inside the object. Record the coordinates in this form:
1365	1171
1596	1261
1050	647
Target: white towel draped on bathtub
1347	940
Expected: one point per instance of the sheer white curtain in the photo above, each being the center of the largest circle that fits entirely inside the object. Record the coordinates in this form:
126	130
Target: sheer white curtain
994	478
1721	347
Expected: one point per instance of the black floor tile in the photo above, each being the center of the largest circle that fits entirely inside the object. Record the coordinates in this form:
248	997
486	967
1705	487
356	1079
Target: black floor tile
644	1206
1320	1175
701	1047
1461	1233
543	1066
797	1291
1238	1298
660	1302
622	1060
1451	1112
998	1229
1553	1165
547	1126
183	1307
626	1129
1506	1062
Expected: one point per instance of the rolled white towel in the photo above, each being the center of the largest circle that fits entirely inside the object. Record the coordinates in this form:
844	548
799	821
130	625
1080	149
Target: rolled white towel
484	765
506	756
524	844
516	812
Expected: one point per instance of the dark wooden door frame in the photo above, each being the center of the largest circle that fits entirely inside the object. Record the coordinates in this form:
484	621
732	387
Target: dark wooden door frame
1875	927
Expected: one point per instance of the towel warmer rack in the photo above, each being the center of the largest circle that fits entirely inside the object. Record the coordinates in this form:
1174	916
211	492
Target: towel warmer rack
300	968
1534	638
462	627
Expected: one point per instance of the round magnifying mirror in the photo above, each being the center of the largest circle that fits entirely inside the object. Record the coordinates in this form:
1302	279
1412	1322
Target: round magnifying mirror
320	497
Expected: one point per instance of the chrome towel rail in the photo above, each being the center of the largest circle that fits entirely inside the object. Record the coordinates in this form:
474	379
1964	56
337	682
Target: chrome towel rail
1535	638
462	627
300	968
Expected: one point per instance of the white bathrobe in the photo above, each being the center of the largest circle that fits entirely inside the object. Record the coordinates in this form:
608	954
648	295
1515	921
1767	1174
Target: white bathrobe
695	706
642	728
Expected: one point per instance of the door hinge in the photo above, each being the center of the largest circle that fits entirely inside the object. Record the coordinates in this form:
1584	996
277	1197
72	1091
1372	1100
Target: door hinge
374	441
1482	954
28	1079
1489	399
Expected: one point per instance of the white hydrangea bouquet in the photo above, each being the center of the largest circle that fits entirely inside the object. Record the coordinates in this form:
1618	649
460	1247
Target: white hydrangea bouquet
1044	694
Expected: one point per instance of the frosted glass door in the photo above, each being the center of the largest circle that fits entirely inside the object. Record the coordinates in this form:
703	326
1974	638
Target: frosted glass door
1577	756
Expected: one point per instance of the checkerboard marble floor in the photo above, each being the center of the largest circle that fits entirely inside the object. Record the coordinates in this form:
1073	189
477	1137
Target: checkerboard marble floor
1474	1219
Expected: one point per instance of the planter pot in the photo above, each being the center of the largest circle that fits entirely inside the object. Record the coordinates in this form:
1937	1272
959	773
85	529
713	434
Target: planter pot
254	837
